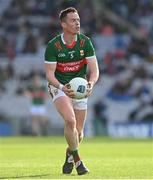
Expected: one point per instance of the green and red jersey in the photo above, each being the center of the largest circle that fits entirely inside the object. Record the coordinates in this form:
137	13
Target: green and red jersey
71	61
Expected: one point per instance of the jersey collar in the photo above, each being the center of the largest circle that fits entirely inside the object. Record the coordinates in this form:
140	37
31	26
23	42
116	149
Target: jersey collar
71	45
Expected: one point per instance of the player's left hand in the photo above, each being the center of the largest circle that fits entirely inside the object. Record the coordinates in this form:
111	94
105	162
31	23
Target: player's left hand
89	89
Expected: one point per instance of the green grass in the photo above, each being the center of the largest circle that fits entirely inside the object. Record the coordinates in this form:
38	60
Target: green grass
34	157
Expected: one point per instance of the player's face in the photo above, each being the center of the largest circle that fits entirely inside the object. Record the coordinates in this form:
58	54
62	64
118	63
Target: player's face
72	23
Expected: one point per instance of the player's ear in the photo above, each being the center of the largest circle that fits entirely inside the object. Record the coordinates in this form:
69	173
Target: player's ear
63	24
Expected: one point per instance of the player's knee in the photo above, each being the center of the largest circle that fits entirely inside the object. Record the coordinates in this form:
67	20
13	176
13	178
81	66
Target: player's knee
70	123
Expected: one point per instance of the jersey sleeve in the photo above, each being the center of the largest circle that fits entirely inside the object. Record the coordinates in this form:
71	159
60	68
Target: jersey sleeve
50	55
89	49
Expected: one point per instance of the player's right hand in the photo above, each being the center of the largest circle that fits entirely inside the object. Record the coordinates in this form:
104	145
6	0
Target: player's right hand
68	91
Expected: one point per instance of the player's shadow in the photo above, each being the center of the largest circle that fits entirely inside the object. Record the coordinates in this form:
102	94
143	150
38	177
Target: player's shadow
27	176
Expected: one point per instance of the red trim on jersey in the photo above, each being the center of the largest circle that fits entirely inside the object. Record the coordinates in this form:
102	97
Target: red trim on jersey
82	41
71	66
71	45
58	45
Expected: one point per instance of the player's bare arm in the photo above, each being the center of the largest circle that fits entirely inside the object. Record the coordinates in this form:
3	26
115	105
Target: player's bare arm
93	73
50	75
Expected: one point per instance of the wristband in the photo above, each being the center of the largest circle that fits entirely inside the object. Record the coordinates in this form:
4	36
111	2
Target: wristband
61	86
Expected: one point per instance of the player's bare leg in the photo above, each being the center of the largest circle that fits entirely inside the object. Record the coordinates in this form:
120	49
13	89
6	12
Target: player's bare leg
64	106
80	116
80	119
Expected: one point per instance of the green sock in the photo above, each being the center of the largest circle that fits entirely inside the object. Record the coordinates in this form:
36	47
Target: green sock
75	155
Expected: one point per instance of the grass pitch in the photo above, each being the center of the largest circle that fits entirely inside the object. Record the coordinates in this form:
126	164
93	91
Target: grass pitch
34	157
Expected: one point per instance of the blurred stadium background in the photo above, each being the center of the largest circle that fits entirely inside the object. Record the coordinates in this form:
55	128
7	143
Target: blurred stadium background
122	32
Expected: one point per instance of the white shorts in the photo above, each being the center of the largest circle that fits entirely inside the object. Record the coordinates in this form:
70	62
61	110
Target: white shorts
80	104
38	110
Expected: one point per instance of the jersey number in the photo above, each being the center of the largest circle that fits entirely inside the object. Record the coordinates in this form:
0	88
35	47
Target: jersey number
81	89
71	55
